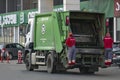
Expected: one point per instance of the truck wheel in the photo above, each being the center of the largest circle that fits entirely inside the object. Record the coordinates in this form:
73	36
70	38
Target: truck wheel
50	64
119	66
28	64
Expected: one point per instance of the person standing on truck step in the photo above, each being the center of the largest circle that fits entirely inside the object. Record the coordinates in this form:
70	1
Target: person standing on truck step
70	42
108	43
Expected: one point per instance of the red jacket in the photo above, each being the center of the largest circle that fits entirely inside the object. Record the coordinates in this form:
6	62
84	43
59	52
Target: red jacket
108	42
70	41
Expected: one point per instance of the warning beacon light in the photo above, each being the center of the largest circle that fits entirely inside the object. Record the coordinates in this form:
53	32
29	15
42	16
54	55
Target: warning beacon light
67	20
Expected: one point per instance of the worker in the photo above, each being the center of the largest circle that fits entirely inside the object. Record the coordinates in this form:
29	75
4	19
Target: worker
108	43
70	42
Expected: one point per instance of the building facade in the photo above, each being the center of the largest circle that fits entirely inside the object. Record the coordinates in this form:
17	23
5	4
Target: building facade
14	17
11	30
16	9
16	5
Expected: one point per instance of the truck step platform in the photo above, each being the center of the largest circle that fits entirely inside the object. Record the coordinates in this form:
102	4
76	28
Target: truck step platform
40	63
40	56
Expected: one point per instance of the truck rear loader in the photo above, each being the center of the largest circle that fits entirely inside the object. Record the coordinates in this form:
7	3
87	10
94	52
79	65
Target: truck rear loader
50	32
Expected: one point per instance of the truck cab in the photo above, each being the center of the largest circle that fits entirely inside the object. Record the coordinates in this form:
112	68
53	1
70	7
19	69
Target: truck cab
29	32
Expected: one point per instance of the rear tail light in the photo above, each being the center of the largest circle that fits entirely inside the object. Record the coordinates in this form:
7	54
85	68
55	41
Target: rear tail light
67	20
107	22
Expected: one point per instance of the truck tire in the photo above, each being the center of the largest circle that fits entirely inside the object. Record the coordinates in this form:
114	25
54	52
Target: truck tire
28	64
119	65
50	64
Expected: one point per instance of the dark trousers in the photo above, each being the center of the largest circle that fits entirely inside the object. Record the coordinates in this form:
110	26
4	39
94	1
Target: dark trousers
108	53
71	53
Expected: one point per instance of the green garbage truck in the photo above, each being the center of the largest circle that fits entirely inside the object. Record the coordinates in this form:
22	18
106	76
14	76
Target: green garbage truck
50	31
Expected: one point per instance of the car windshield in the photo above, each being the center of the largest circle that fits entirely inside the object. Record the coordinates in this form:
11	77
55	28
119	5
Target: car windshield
19	46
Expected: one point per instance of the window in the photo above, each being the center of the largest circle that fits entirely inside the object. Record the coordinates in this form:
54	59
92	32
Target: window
13	45
8	46
58	2
18	5
35	4
19	46
28	28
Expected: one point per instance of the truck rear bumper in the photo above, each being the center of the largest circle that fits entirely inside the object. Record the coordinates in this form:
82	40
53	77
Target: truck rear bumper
78	65
89	51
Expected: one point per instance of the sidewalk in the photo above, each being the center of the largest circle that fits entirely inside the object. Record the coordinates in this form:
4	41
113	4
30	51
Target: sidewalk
10	62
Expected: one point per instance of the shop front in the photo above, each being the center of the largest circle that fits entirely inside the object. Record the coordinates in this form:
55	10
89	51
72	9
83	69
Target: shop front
13	26
9	29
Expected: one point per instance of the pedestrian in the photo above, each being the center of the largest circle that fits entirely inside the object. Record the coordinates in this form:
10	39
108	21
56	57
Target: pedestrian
4	55
70	42
108	43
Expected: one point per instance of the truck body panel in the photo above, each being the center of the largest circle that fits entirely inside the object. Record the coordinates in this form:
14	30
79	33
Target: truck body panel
51	31
49	34
44	33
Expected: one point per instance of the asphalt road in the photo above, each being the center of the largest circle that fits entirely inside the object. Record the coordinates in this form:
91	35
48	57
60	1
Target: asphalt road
14	71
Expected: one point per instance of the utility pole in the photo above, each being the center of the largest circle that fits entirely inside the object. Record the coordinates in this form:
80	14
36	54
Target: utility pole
6	6
6	10
45	6
21	4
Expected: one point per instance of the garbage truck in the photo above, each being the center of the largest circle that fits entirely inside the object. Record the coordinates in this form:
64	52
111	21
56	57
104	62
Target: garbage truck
49	33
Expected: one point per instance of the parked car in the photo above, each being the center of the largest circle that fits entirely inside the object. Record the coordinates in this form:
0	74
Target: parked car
116	53
12	49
